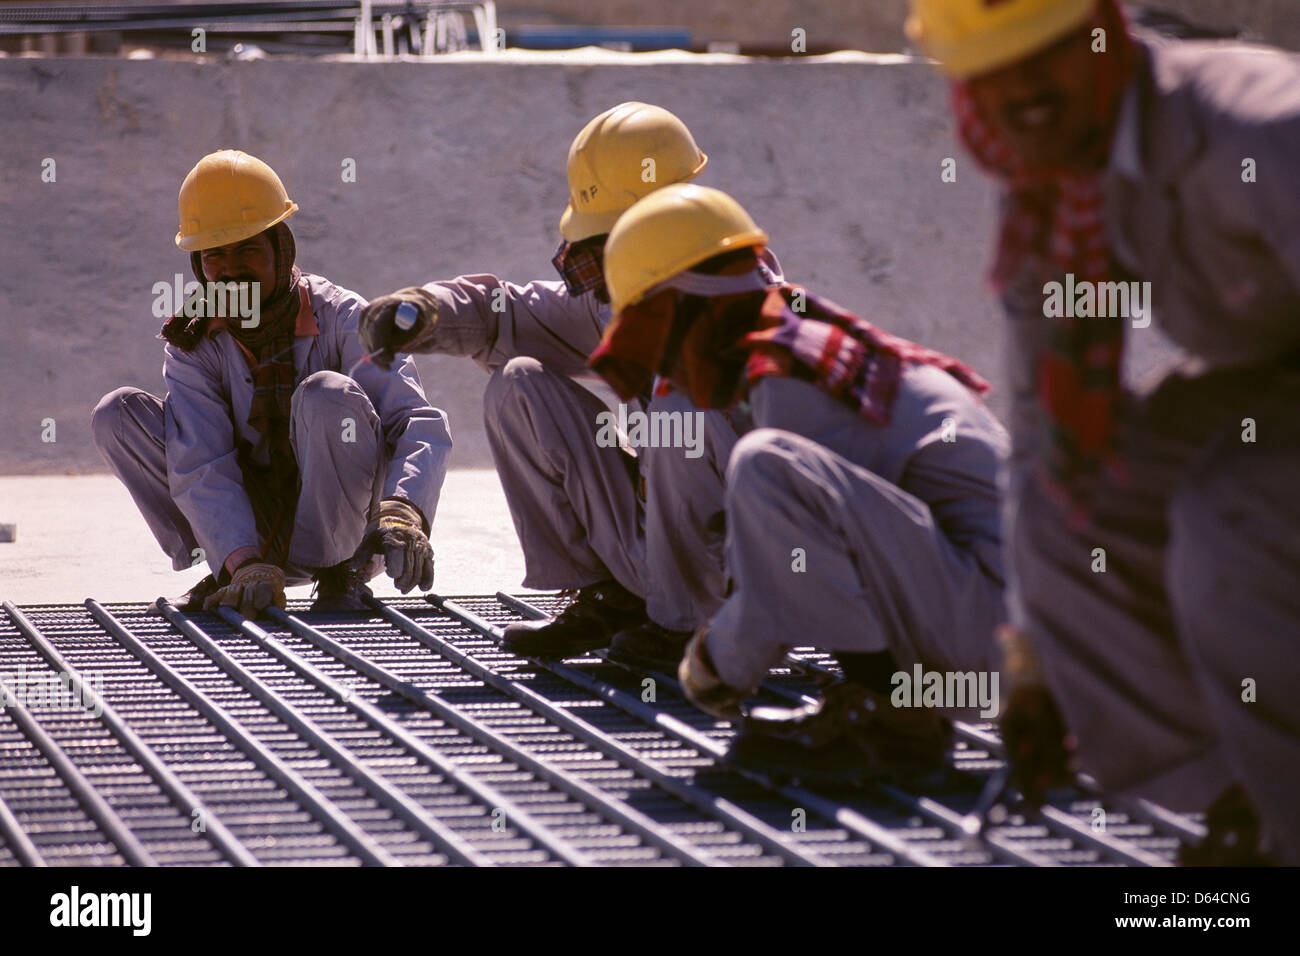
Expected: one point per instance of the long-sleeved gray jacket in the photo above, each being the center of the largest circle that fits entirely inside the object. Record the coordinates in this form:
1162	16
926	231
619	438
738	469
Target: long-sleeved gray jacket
941	445
493	321
210	392
1203	203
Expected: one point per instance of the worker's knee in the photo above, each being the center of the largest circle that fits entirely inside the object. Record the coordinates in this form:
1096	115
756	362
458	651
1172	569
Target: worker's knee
762	463
330	405
326	391
519	374
523	382
112	413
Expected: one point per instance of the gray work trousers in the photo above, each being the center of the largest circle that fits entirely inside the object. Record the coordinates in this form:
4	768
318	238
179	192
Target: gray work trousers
575	504
1178	666
340	479
825	552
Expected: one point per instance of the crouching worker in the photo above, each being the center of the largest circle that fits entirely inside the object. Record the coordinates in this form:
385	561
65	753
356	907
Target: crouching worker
1152	530
266	459
637	538
862	511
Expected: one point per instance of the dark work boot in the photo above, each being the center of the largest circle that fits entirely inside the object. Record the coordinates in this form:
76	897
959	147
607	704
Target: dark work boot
649	647
192	600
1233	834
340	588
597	613
851	735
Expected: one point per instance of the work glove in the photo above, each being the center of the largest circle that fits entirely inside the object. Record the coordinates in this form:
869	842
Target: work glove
397	532
254	587
701	683
378	327
1039	746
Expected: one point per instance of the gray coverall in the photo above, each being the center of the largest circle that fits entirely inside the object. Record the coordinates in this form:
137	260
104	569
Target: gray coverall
574	503
198	471
897	527
1178	666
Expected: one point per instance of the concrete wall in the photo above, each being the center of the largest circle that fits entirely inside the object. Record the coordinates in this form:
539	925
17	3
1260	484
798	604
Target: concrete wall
761	25
460	167
875	25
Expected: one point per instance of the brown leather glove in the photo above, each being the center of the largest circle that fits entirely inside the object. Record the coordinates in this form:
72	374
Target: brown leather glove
254	587
378	327
701	683
397	532
1039	746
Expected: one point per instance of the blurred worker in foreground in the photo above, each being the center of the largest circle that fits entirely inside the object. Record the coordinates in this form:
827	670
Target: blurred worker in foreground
862	511
643	552
264	460
1155	555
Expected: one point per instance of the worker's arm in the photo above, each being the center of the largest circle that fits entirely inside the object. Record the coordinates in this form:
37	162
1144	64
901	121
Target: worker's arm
491	321
416	434
202	468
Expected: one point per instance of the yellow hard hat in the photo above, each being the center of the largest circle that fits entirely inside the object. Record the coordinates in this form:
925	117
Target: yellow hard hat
228	196
669	231
969	37
623	154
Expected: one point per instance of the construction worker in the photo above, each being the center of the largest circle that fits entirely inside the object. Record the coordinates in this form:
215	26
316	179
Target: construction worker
1152	529
647	567
861	511
266	460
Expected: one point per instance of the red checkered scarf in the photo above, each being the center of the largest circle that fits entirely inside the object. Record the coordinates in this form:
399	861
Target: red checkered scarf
842	353
1053	223
582	266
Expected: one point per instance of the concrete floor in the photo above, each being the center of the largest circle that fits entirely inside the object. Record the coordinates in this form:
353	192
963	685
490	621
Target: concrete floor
80	536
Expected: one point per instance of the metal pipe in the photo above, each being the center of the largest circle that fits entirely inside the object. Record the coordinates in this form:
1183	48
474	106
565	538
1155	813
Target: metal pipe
633	820
726	811
364	846
97	808
828	809
398	802
16	838
185	799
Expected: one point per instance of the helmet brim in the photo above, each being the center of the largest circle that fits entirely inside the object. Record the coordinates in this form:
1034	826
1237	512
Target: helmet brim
224	237
576	226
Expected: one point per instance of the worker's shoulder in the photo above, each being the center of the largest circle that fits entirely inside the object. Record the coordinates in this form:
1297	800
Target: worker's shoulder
539	297
332	304
1227	82
551	295
934	398
325	292
203	355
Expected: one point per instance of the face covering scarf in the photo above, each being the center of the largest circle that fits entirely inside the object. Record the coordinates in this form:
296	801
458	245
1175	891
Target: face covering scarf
718	346
1053	224
647	338
842	353
582	266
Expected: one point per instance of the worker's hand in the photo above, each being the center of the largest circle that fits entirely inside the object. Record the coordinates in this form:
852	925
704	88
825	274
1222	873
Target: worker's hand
397	532
1039	746
701	683
254	587
378	329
